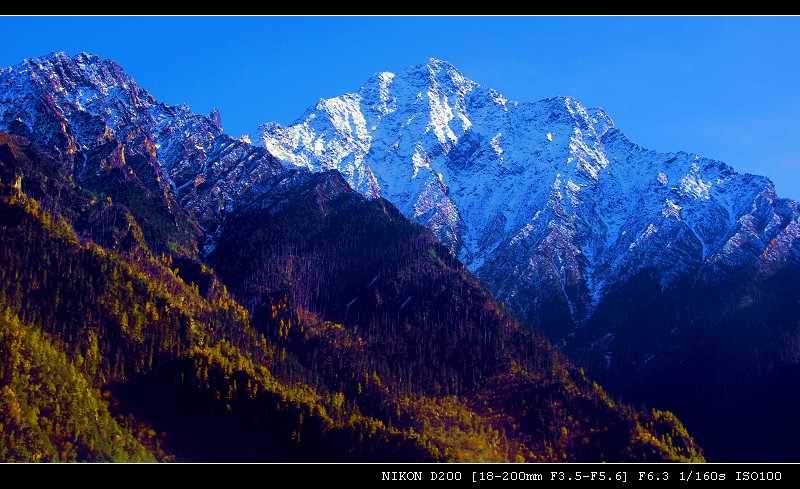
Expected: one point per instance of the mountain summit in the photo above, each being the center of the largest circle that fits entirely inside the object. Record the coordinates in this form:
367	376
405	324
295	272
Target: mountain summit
546	201
74	105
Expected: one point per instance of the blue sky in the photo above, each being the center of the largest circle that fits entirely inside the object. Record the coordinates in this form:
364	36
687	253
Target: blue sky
728	88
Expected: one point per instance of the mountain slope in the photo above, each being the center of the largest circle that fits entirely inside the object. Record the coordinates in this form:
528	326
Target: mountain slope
134	328
731	355
415	326
49	411
111	135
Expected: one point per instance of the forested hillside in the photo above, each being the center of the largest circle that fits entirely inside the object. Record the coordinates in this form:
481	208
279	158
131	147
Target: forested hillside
358	338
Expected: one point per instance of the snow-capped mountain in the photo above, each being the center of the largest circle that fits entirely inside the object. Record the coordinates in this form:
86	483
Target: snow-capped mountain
670	276
73	105
546	201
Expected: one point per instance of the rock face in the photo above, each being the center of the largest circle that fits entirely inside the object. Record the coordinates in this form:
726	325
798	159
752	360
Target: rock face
546	201
75	105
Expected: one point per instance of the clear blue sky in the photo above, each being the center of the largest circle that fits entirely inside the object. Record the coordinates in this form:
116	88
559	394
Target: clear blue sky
728	88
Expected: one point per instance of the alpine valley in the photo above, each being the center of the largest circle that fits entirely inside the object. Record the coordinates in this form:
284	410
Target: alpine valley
421	270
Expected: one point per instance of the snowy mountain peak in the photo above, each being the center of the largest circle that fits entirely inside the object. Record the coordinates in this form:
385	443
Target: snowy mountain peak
438	73
543	197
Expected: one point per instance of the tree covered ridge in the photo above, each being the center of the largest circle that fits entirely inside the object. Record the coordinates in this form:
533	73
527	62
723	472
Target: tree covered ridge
124	326
379	295
183	371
